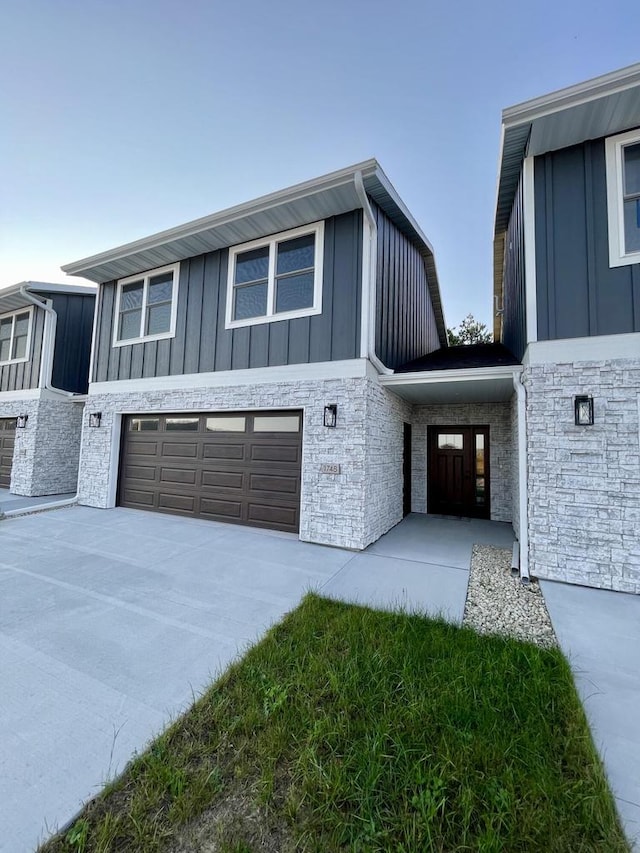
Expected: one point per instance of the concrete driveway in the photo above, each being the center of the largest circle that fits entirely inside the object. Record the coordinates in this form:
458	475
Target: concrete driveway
111	621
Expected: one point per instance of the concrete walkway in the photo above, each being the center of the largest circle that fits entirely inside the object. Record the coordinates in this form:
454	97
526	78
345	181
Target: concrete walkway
111	621
599	632
17	503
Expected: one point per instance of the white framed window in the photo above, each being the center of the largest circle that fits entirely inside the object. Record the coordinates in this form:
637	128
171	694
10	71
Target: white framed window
623	198
276	278
146	306
15	336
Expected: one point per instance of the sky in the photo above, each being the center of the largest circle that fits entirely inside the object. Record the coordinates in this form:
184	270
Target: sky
120	118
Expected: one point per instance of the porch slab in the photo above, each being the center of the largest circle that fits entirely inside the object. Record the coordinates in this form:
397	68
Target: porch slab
16	504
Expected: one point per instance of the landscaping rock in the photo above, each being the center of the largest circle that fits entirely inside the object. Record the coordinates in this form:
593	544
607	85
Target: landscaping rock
499	603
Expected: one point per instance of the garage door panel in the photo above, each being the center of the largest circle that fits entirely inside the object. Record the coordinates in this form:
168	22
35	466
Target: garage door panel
246	477
183	476
221	508
273	484
173	449
138	497
235	452
223	480
7	441
139	472
184	503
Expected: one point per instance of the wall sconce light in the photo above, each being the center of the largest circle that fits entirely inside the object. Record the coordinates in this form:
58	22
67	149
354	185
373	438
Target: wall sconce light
94	419
584	411
330	415
21	421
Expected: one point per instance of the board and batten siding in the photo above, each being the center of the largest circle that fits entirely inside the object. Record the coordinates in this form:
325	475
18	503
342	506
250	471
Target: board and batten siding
25	375
202	344
72	347
578	294
405	320
514	334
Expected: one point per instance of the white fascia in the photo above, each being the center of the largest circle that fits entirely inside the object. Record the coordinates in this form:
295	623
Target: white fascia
529	215
596	348
434	377
355	368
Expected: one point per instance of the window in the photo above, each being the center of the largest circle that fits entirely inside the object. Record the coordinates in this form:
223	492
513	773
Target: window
15	336
623	198
278	278
146	306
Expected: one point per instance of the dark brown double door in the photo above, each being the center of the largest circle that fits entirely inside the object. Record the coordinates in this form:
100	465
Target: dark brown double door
458	478
239	467
7	441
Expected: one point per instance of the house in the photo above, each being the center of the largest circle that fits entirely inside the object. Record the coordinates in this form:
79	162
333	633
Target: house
45	341
284	363
567	285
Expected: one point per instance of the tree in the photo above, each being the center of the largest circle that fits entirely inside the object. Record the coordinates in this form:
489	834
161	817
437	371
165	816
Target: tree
470	331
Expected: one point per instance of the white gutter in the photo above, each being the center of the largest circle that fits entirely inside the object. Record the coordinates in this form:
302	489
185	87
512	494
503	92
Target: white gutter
369	263
523	487
48	342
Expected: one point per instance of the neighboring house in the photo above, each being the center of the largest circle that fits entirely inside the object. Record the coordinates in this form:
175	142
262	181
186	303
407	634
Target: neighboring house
45	341
567	277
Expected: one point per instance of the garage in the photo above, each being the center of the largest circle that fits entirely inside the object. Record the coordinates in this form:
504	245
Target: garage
238	467
7	442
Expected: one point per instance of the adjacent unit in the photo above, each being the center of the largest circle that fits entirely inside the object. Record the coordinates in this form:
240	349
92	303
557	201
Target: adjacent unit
45	341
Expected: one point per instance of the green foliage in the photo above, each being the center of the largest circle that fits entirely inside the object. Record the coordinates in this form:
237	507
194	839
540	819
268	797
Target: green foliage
470	331
351	729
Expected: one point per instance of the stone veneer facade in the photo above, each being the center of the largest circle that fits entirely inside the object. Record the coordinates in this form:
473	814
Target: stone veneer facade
584	481
498	417
350	509
47	450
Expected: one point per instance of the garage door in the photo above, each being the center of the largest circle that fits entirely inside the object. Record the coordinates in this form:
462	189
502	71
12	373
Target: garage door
241	467
7	441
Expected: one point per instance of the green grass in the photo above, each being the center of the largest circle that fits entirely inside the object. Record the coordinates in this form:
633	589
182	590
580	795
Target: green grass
349	729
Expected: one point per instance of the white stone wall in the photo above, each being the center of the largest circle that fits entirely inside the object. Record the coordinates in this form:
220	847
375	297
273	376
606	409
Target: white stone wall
334	508
385	417
501	450
515	470
47	450
584	482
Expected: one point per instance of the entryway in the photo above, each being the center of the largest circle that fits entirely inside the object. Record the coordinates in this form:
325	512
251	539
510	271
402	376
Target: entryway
7	441
458	477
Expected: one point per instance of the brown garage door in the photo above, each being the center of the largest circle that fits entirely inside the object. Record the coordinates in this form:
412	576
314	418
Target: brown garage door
240	467
7	441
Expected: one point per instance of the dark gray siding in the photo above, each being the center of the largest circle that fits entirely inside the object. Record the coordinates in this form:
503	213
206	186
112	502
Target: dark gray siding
73	341
405	322
514	327
202	343
25	375
578	295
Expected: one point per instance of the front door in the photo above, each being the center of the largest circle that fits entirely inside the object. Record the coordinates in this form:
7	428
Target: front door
458	481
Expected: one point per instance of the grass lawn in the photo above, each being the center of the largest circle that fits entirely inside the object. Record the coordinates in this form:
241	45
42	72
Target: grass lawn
350	729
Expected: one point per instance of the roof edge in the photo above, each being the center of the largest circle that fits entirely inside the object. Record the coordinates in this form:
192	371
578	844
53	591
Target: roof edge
49	287
572	96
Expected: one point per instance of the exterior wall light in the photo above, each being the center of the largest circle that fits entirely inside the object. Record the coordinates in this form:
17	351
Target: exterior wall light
94	419
21	421
583	411
330	415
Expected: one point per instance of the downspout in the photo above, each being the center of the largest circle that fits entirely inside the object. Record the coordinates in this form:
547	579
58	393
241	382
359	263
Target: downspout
523	486
369	263
48	342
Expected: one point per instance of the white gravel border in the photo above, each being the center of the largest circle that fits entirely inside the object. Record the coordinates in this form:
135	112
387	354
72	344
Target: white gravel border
499	603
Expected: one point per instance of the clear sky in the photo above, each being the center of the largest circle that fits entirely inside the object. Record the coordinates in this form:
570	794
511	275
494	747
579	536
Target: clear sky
120	118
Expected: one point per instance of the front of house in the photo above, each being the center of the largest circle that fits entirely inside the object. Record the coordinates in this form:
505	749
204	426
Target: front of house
284	363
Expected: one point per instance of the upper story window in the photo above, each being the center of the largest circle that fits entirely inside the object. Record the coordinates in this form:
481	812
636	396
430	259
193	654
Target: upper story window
276	278
146	306
15	336
623	198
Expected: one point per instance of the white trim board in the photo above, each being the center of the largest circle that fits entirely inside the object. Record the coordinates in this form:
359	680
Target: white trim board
434	377
347	369
596	348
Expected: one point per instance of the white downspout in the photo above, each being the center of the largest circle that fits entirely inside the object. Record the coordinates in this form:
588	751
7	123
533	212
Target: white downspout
523	486
48	343
369	263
